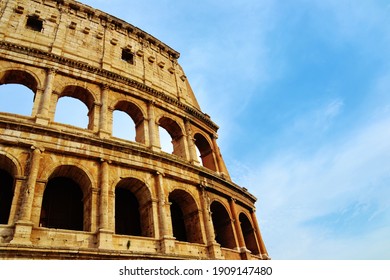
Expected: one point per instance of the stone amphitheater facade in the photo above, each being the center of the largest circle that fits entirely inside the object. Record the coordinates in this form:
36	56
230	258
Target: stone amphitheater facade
81	193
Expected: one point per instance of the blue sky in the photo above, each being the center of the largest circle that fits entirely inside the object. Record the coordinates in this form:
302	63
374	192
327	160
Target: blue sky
301	92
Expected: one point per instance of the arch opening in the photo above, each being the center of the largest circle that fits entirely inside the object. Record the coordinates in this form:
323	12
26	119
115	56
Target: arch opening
127	216
178	224
122	124
17	92
165	140
19	77
175	135
223	229
185	217
75	106
71	111
6	195
127	115
69	187
133	208
62	205
205	152
249	234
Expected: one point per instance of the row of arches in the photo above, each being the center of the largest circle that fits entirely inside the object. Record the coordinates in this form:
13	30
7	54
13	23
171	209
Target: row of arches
66	204
76	105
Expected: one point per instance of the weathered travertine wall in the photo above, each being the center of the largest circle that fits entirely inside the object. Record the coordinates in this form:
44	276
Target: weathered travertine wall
69	192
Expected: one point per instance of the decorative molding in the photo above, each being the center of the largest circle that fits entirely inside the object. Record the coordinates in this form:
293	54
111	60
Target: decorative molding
110	75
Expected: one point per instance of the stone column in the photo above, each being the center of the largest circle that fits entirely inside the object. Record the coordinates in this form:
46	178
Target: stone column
263	250
23	226
220	163
103	127
213	247
37	203
191	143
154	140
161	206
241	241
156	219
104	233
94	117
13	215
103	207
91	205
43	112
37	103
167	241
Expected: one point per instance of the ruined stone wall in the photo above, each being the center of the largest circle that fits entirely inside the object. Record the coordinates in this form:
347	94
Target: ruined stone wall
183	206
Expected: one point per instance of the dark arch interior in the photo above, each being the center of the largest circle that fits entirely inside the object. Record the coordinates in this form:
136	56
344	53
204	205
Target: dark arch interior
185	217
178	225
127	215
222	226
6	194
62	205
249	234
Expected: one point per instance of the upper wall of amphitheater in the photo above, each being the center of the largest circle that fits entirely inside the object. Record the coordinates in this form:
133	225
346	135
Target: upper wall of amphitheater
66	30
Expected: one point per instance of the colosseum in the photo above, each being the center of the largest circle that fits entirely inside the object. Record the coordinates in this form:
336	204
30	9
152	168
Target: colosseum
69	192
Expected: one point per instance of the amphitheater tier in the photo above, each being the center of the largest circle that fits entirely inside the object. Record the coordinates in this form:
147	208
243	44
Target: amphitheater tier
71	192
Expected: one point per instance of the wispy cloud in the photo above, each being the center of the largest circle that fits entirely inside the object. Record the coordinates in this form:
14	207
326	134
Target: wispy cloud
316	120
342	188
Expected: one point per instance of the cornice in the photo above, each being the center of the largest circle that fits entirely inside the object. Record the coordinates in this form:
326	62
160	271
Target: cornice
109	75
112	145
106	19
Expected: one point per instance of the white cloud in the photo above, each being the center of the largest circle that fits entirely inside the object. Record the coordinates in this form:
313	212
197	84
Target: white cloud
317	120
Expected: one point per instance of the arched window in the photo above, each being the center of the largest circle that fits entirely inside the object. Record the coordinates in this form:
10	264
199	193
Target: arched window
71	111
6	195
75	106
16	99
127	217
185	217
249	234
67	199
223	229
123	126
165	140
128	122
176	136
205	151
62	205
133	208
17	92
178	225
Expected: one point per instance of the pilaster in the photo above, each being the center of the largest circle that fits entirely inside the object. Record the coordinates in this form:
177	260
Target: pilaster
154	140
42	116
167	241
103	126
263	250
245	253
193	158
213	247
23	226
221	164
